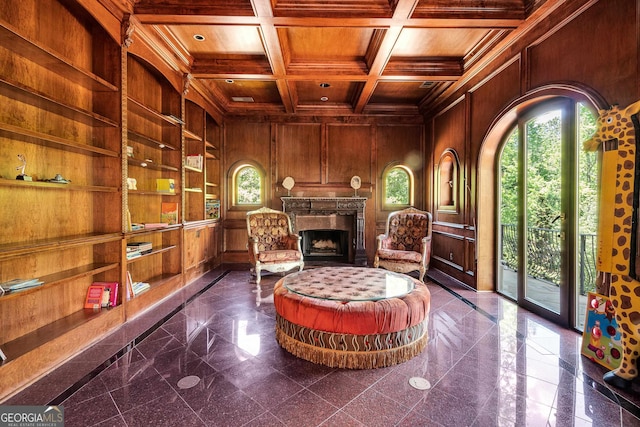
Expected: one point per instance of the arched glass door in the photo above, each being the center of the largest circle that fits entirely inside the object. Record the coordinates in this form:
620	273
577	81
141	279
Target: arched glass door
547	211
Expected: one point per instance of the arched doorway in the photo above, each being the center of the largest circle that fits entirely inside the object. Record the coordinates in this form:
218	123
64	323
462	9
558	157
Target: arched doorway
534	228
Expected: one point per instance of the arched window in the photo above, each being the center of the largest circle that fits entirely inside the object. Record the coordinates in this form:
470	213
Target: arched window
247	182
398	186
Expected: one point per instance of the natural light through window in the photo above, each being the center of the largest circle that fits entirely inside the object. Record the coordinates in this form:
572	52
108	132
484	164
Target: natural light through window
397	185
248	186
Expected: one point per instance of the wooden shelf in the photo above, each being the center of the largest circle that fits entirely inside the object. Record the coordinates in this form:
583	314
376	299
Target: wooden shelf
56	186
151	142
35	137
152	193
33	97
193	190
192	169
59	243
153	252
21	45
154	283
211	184
151	165
54	330
139	108
138	233
210	146
64	276
210	156
190	135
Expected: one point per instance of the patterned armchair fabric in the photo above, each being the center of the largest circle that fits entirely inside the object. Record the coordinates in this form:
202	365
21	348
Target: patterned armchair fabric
272	245
406	245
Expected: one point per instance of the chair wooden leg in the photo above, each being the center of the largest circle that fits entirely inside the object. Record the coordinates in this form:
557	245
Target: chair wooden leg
422	272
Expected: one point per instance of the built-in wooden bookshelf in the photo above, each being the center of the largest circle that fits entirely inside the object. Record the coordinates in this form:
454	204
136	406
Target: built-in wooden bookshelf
60	109
212	164
194	163
72	102
154	154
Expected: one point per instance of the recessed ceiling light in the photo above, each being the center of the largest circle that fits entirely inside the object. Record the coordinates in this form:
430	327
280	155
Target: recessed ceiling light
324	85
324	99
198	37
229	81
427	85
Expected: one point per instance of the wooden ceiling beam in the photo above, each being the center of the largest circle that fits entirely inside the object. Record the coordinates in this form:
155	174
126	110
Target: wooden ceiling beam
273	51
452	22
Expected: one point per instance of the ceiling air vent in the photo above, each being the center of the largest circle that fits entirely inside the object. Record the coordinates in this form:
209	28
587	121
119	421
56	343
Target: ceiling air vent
242	98
427	85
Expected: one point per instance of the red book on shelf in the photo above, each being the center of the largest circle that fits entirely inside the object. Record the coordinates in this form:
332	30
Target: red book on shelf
112	288
94	296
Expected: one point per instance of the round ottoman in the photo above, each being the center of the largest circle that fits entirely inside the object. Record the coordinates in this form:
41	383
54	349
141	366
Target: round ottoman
351	317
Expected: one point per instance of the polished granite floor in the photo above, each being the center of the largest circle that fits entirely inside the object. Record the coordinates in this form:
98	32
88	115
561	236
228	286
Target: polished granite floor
209	358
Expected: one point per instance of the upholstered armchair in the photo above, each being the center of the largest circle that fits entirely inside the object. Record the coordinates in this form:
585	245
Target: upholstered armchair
406	245
272	245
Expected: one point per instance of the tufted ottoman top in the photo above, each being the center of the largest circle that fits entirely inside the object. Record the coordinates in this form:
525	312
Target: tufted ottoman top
352	300
349	284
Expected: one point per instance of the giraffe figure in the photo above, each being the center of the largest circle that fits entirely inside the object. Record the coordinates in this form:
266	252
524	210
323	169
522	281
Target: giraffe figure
616	136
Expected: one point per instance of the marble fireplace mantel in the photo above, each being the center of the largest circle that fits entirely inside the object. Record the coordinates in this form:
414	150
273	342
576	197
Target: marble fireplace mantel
331	206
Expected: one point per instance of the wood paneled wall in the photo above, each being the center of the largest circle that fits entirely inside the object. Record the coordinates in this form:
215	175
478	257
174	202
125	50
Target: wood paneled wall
593	54
321	155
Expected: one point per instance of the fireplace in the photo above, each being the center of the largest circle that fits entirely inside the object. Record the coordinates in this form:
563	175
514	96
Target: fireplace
335	214
325	245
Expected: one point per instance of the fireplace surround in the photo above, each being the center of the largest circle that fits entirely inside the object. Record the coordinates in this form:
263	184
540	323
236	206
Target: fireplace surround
331	213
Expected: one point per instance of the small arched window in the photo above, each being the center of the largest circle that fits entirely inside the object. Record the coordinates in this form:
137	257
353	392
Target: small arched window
248	186
398	186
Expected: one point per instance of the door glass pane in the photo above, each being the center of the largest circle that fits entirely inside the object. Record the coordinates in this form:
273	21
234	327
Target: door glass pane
508	227
587	213
543	210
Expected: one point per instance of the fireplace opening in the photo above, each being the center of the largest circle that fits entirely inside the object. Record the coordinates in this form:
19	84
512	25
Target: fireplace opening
325	245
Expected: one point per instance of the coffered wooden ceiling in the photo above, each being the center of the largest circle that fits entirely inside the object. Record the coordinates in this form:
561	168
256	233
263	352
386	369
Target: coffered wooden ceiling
328	56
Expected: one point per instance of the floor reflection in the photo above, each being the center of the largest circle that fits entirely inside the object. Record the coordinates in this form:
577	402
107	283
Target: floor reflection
489	363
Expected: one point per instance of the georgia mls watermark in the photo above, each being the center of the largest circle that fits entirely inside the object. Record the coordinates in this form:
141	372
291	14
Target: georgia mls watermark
31	416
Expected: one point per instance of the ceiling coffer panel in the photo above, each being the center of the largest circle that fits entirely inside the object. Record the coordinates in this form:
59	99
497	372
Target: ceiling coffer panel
372	56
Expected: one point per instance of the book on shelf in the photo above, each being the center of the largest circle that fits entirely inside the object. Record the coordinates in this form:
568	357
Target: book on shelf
142	247
94	296
139	287
169	213
212	208
135	288
194	161
128	287
136	226
16	285
165	185
111	293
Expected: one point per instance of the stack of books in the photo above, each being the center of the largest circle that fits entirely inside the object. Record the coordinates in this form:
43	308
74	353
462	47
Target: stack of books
139	287
136	249
18	285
